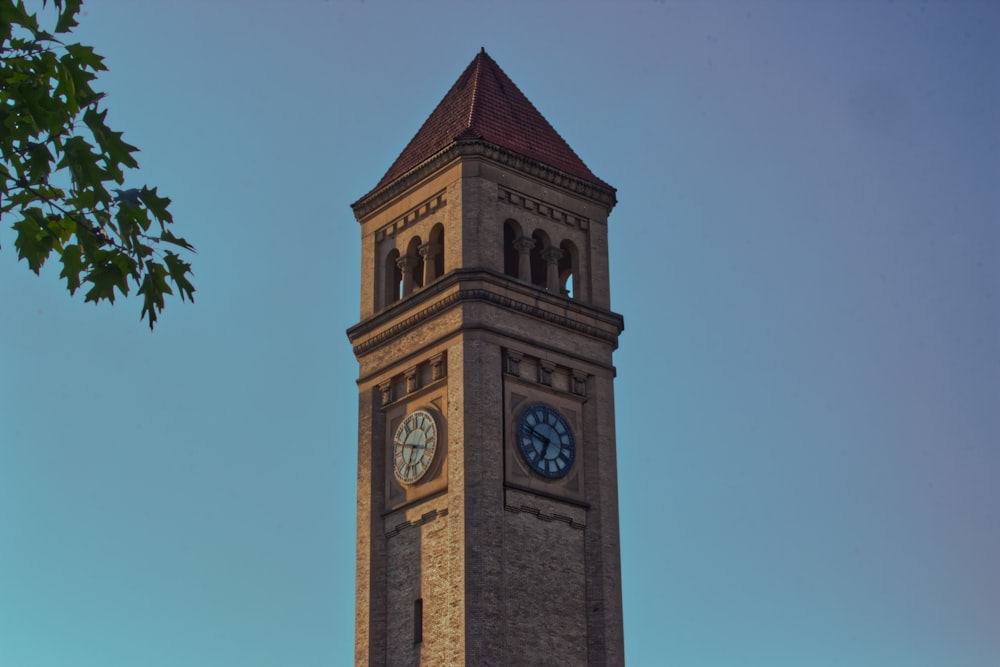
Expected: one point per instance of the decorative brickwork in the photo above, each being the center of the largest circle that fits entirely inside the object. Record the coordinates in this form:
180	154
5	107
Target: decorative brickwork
419	212
542	208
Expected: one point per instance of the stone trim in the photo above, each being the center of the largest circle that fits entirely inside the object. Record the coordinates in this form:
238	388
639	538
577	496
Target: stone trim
605	195
422	210
422	375
521	200
541	516
512	362
488	296
426	517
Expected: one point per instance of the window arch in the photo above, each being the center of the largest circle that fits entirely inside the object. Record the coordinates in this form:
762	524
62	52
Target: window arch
538	268
393	278
511	256
414	279
435	251
569	270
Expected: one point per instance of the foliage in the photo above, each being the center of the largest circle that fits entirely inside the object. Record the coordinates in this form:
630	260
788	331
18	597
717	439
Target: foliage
61	163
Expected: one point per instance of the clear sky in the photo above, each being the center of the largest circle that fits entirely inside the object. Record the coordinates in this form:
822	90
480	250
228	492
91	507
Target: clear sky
805	252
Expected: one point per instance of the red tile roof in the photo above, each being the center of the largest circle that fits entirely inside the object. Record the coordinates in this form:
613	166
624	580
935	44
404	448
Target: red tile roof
485	105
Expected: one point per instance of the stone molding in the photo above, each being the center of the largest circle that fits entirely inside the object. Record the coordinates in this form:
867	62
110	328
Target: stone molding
544	209
426	517
605	195
423	375
542	516
488	296
431	205
573	382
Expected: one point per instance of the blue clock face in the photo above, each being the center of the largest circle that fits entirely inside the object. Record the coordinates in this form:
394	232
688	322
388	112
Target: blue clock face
546	441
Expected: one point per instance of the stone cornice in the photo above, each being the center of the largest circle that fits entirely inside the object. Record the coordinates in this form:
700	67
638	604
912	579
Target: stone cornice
604	195
609	333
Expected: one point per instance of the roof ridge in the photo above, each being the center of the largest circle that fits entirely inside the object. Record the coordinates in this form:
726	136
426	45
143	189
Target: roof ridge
475	87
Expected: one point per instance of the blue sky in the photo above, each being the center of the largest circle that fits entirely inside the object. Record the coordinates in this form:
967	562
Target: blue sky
805	252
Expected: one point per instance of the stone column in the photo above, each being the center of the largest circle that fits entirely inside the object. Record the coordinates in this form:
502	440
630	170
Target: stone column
552	255
428	252
405	264
523	246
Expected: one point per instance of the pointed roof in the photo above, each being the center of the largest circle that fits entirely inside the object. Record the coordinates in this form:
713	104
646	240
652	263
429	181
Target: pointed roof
485	106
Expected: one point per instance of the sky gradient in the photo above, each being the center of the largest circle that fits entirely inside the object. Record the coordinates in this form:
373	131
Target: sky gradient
805	252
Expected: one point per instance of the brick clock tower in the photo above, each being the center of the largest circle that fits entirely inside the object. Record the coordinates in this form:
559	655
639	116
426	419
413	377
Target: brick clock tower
487	481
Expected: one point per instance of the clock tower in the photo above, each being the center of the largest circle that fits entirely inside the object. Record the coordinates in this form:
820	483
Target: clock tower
487	481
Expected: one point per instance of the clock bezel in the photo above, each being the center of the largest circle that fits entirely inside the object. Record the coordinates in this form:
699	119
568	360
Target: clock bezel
527	445
432	454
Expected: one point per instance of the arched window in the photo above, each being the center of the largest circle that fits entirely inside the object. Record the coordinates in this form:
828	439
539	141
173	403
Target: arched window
538	268
393	278
511	232
436	253
415	270
569	270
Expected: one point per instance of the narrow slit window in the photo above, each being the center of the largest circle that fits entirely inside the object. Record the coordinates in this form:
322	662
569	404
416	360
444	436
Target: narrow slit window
418	620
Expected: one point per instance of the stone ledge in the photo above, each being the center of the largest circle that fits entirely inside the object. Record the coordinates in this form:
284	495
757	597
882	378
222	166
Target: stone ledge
541	516
426	517
456	279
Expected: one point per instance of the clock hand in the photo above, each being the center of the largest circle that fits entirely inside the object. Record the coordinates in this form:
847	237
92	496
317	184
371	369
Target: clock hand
545	446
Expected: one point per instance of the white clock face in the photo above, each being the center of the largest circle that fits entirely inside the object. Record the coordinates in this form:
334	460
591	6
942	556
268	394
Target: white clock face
413	446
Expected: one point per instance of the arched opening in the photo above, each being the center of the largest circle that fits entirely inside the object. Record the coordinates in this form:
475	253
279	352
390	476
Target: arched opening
538	267
393	278
437	251
511	232
416	266
569	274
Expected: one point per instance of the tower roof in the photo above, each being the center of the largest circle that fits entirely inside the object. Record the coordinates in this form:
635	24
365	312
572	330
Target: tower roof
485	106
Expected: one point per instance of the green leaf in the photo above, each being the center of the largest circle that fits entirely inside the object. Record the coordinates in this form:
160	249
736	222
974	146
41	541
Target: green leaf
175	240
33	242
80	159
118	151
66	87
86	56
179	270
157	205
67	18
154	286
73	265
61	229
105	275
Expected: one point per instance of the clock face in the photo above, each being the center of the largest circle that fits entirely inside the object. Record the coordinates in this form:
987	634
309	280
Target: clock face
546	441
413	446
